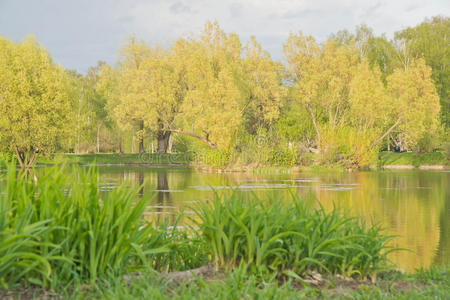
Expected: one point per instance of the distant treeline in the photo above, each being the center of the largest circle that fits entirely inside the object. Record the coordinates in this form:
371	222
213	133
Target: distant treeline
344	99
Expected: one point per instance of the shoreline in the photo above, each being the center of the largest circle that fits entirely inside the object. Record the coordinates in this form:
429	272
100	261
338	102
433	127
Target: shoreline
250	168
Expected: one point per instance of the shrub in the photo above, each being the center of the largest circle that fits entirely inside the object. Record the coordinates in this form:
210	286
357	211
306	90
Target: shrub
347	146
274	236
63	228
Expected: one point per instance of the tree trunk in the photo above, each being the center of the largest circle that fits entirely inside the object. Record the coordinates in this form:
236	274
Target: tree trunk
26	160
98	138
316	127
386	133
141	137
120	144
169	148
163	141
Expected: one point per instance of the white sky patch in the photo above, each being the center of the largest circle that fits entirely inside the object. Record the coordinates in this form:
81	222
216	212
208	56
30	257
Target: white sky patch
79	33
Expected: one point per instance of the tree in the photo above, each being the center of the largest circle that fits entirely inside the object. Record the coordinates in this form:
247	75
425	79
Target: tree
322	75
107	88
97	102
415	104
369	104
430	40
377	50
262	87
81	95
370	110
132	88
165	95
34	101
150	91
211	109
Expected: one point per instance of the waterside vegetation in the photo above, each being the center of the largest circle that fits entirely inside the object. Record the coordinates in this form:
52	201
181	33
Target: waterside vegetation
337	102
60	231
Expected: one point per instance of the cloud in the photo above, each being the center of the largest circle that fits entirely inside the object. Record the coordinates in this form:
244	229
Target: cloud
79	33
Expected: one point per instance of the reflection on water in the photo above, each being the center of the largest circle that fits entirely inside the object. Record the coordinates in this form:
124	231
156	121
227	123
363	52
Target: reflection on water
413	204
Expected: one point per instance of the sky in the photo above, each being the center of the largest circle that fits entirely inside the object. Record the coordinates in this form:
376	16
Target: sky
78	33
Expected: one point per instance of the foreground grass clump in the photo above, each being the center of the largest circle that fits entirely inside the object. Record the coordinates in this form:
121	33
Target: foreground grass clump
289	238
61	229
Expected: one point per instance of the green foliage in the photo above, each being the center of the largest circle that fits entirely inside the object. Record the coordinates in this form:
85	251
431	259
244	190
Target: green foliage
264	148
210	157
20	243
241	285
347	146
295	125
63	229
236	285
5	158
268	235
430	41
227	96
35	104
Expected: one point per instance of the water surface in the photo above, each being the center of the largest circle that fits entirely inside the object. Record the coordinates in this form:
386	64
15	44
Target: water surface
413	204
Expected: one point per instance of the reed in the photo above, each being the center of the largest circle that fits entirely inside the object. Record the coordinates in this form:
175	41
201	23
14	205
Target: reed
289	237
60	227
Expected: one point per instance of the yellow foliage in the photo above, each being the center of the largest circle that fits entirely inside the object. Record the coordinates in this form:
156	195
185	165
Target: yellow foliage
34	99
415	102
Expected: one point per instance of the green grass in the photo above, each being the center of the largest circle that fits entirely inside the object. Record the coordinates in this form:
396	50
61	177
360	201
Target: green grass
61	229
240	285
412	158
288	238
117	159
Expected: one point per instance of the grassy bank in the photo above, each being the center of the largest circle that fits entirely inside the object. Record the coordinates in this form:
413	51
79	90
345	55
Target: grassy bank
425	284
118	159
412	158
384	158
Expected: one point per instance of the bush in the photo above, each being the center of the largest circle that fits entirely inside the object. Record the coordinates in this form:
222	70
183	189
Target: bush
62	228
289	237
6	158
347	146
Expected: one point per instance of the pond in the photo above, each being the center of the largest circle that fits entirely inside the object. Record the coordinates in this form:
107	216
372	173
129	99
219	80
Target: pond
413	205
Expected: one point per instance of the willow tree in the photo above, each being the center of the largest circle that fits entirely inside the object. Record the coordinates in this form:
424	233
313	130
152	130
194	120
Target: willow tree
86	111
150	91
370	107
415	104
430	40
262	87
131	89
377	50
165	92
211	109
370	110
34	101
106	87
322	76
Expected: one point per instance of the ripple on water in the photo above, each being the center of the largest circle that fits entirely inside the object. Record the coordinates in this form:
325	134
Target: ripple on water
303	180
243	187
338	189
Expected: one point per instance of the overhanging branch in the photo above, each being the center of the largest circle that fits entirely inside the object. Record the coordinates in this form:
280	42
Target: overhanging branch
205	140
